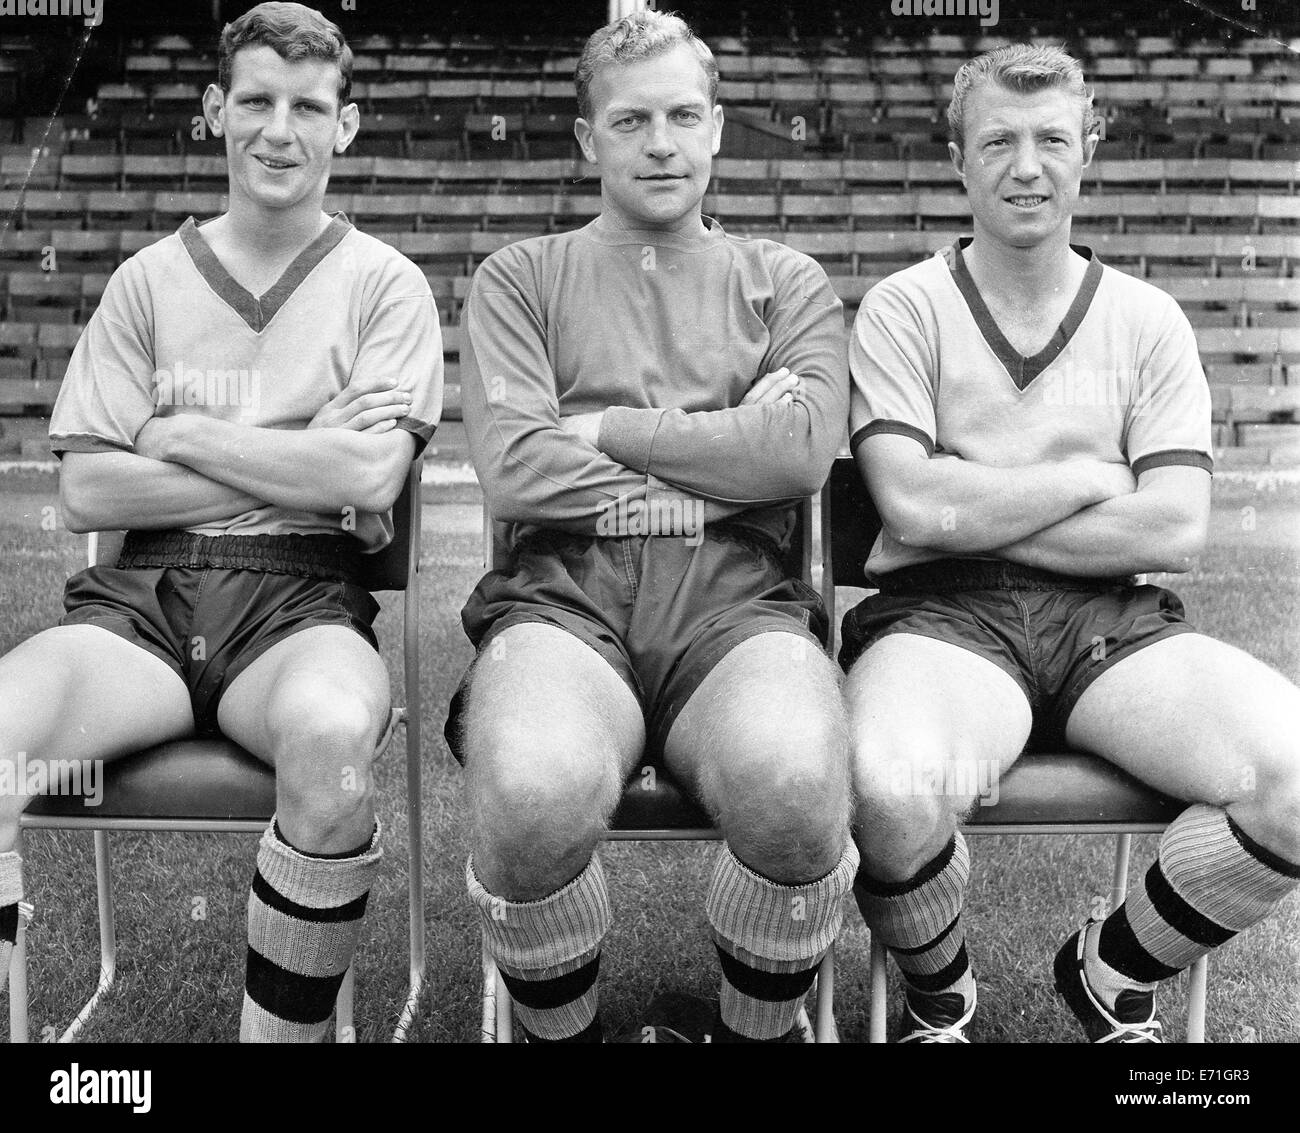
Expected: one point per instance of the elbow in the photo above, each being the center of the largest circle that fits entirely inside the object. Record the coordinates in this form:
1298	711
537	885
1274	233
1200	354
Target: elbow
1180	548
73	507
376	479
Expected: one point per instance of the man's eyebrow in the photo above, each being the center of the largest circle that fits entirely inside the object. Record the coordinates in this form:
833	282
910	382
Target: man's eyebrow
1000	126
692	102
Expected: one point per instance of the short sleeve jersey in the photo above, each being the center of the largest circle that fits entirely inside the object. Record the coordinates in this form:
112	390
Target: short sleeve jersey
1120	380
175	333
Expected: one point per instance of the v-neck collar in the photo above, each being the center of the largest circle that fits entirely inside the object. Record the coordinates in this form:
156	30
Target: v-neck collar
256	311
1021	369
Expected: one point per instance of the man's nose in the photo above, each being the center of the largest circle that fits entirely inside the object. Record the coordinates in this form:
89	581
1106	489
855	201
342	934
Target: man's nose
659	141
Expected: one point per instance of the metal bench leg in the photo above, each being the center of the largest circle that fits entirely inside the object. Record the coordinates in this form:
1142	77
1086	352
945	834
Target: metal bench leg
1196	993
107	934
879	990
344	1030
496	1025
1119	882
826	1029
414	876
18	978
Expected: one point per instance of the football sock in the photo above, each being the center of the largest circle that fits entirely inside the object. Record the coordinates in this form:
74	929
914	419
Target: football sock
11	892
1210	881
304	921
770	939
919	921
548	953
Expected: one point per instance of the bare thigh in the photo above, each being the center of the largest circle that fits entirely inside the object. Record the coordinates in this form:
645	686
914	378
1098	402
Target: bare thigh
552	733
923	714
83	692
314	706
763	744
1203	721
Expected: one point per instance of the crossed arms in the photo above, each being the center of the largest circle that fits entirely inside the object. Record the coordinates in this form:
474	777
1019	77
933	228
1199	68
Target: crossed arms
1084	517
188	470
564	472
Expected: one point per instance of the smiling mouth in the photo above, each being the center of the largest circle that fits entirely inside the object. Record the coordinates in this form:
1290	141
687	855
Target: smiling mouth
275	162
1026	201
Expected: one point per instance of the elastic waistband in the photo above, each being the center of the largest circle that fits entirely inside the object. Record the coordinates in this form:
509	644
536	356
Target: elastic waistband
327	558
552	540
986	574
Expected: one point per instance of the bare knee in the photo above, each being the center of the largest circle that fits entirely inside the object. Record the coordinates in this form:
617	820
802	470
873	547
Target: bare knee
540	804
907	803
783	800
323	741
1268	806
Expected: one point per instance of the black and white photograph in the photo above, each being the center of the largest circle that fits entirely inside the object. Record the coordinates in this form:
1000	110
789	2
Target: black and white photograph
739	521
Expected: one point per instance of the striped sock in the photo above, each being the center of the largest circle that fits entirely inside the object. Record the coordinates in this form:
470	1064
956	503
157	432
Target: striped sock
919	921
770	939
548	953
1210	881
304	920
11	892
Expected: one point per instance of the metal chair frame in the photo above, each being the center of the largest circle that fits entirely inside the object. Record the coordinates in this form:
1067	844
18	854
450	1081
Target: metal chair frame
850	524
62	814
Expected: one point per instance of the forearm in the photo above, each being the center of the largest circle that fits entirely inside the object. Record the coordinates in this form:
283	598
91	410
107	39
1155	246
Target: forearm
963	507
321	470
110	491
1123	535
748	454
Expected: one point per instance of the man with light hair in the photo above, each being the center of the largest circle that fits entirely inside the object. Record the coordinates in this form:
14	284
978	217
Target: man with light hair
650	364
1034	428
236	605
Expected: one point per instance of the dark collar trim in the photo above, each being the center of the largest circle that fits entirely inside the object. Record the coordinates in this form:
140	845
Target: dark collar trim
1024	370
258	313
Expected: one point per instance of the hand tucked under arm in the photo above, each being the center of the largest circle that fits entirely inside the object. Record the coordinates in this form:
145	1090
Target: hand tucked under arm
1160	527
110	491
944	503
307	469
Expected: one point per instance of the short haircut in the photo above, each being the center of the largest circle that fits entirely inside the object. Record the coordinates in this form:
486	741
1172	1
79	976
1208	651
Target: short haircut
1020	67
633	38
293	32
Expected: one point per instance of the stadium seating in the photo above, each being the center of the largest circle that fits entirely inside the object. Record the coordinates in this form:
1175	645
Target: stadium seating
1043	792
215	786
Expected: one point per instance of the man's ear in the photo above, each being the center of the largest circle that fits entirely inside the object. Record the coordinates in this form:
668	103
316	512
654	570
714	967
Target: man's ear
1090	147
349	124
717	129
214	109
582	131
958	161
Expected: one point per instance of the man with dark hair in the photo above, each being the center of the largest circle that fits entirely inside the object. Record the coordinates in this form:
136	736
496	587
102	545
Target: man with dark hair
247	401
646	399
1035	430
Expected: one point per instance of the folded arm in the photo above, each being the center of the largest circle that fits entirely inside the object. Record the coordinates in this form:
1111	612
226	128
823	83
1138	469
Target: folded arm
532	470
943	503
109	491
764	451
319	470
1160	527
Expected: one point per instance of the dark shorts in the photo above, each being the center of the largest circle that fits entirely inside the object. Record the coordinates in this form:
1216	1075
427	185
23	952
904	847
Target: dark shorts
661	612
1053	635
209	623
